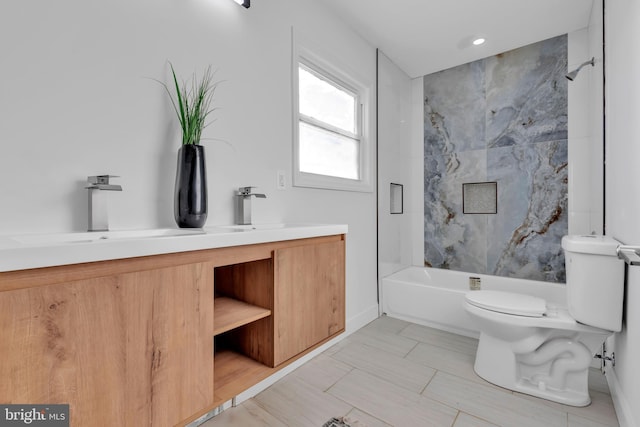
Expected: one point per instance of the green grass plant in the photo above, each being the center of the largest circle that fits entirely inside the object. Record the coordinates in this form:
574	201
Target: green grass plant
192	104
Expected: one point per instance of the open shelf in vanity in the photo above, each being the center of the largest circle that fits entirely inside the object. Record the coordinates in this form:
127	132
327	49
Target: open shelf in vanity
243	326
272	306
231	313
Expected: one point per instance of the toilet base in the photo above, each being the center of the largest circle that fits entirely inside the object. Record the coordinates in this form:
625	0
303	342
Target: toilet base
556	370
560	396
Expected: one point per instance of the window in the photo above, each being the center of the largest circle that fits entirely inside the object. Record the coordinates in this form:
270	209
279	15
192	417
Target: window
331	148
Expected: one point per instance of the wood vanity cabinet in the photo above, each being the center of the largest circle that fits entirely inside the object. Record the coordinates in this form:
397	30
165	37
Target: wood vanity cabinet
302	285
309	297
131	342
123	349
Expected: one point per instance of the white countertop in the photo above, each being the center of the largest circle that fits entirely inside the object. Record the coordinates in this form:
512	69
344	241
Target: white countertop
27	251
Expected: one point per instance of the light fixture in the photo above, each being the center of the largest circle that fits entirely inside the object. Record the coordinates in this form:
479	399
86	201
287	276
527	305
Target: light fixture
245	3
472	40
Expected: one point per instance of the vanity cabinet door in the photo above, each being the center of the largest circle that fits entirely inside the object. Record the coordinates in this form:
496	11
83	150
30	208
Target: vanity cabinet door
131	349
309	297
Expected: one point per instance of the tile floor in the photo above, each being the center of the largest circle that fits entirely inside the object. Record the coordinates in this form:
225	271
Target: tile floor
395	373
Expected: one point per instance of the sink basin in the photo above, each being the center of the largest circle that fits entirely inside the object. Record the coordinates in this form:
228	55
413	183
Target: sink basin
98	236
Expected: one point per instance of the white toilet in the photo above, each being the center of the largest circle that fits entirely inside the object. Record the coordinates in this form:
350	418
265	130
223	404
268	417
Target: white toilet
532	347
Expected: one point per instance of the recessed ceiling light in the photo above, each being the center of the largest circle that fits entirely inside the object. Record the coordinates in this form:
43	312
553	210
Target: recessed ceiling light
478	41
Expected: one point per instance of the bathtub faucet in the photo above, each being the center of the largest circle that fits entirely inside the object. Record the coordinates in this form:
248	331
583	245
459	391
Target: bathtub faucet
243	205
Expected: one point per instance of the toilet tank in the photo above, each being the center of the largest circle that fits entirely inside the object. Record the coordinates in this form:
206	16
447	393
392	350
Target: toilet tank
595	281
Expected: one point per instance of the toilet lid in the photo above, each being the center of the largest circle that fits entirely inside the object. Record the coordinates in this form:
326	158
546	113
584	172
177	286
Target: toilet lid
508	302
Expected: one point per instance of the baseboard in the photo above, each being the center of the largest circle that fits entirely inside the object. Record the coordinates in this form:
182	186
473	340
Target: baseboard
361	319
620	402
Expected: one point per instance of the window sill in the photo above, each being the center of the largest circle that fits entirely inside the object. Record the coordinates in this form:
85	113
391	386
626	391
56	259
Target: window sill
310	180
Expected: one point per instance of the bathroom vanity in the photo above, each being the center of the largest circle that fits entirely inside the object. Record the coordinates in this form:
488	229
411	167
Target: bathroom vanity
161	338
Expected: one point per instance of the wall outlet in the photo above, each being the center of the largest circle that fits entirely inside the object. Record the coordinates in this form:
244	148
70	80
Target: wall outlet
281	180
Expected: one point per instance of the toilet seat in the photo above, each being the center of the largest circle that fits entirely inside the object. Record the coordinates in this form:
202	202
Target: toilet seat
508	303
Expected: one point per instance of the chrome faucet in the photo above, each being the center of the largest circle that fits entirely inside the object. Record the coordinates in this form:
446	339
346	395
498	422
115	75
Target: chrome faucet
243	205
98	207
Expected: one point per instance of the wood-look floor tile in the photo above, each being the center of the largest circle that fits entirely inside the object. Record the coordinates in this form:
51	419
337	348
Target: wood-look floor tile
443	359
249	414
396	352
466	420
322	371
357	418
491	404
441	338
393	368
389	342
295	403
578	421
337	346
600	410
392	404
386	324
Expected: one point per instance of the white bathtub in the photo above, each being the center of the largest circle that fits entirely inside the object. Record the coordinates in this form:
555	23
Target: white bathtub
435	297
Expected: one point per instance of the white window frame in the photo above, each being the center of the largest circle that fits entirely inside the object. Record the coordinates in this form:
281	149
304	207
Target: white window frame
320	64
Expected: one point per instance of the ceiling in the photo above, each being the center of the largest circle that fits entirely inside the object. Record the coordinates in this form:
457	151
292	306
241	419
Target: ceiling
424	36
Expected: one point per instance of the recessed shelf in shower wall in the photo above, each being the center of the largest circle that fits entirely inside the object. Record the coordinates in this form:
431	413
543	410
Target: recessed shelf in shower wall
480	198
396	203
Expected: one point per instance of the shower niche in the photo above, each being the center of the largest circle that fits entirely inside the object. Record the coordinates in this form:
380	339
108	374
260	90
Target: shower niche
480	198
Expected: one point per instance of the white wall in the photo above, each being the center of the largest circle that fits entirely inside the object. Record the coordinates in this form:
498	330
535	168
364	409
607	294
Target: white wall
400	160
622	90
586	129
417	170
78	99
395	123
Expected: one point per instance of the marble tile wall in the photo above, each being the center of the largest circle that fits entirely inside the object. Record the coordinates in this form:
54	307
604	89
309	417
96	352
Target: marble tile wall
504	119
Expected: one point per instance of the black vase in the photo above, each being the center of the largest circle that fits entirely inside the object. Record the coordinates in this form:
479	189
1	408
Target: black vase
190	207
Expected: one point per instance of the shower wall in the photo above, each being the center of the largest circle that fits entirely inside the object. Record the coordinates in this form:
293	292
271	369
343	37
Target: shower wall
500	119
